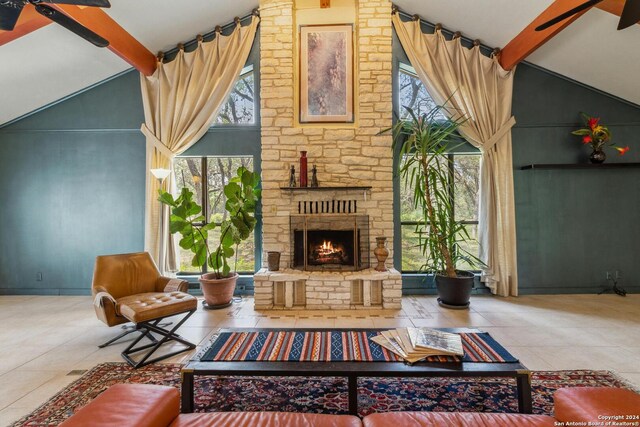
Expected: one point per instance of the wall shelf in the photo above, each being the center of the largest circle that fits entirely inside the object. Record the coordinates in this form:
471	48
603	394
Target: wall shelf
581	166
324	188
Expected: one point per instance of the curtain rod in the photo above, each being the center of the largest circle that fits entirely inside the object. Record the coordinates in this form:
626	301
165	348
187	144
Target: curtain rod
218	29
453	34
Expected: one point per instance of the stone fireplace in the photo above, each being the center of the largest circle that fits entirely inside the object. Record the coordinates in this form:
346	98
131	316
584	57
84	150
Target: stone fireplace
326	253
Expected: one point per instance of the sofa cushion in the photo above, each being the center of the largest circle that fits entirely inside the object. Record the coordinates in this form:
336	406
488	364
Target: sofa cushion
595	404
264	419
153	305
129	405
457	419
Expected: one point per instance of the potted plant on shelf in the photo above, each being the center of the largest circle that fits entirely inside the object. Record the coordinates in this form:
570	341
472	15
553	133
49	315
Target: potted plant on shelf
597	136
187	219
425	166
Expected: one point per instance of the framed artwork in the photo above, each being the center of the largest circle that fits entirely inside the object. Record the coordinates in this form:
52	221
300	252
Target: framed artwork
326	73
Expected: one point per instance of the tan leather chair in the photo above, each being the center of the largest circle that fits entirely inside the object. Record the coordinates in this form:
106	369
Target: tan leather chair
129	288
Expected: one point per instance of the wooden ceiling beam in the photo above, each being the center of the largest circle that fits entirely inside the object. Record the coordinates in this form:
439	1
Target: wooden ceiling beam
525	43
29	21
121	42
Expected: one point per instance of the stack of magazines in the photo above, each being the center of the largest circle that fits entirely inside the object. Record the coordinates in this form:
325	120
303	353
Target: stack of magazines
415	344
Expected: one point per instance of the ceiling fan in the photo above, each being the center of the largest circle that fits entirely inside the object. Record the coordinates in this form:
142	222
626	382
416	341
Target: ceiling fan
10	12
629	16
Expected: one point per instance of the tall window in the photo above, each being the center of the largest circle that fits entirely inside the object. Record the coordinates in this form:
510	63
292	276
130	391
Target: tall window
463	183
206	178
240	107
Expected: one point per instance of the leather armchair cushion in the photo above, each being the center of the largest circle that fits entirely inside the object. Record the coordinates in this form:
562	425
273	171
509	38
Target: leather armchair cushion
129	405
457	419
153	305
264	419
591	403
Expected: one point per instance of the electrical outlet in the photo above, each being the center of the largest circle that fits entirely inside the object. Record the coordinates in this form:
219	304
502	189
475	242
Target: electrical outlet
39	277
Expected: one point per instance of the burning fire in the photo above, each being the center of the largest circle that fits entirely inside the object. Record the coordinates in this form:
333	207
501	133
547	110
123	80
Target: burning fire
326	248
328	253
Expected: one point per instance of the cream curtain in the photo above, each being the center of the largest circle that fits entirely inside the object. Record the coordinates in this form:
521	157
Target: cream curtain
181	100
479	89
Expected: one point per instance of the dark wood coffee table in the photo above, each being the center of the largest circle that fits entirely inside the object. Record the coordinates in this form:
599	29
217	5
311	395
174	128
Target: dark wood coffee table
354	370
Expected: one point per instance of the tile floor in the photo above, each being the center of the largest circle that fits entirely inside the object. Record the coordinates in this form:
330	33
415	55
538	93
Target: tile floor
45	338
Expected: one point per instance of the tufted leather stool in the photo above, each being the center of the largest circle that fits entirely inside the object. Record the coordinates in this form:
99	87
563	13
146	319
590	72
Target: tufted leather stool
129	288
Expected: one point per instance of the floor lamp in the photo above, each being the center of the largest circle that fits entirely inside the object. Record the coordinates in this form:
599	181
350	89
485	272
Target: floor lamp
161	175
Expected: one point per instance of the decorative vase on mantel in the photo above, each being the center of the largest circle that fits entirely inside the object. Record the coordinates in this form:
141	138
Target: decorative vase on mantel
303	169
381	252
598	156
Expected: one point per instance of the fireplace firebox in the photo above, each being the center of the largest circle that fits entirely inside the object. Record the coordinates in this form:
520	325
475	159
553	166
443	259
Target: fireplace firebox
330	242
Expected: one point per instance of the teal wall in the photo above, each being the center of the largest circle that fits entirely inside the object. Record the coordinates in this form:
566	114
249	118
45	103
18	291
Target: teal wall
573	225
72	185
72	180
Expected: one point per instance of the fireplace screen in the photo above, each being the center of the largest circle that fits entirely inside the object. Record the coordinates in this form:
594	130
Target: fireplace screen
330	242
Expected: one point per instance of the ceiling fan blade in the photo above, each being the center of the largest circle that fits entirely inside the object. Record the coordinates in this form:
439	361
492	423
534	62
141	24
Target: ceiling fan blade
630	14
71	25
95	3
9	14
567	14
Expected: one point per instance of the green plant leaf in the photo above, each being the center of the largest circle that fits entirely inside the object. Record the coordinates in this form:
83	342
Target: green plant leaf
166	198
232	190
177	226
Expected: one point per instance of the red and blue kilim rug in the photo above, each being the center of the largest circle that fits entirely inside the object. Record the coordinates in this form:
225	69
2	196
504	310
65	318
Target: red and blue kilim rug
334	346
322	395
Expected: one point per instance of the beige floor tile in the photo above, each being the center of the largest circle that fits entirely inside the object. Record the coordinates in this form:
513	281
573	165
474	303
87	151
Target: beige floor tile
47	390
276	322
437	321
461	318
17	384
59	359
385	322
315	322
243	322
528	359
12	414
354	322
608	358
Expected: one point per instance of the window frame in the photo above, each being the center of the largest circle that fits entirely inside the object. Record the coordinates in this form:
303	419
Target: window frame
452	196
248	68
407	69
204	160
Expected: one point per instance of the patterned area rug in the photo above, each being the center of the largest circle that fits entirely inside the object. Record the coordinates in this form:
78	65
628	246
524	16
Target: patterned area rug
325	395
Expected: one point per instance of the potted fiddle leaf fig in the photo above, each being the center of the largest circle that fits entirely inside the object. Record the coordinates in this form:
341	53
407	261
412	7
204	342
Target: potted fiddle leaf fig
187	219
426	140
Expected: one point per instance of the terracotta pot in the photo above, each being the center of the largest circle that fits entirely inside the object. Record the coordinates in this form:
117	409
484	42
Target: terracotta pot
381	253
218	291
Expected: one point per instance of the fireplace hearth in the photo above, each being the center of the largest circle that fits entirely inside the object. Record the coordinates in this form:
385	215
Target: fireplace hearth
330	242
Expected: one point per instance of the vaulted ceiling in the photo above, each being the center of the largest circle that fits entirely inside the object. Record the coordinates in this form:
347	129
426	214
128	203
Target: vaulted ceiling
51	63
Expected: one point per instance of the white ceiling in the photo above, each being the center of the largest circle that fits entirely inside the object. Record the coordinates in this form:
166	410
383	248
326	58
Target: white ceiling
52	63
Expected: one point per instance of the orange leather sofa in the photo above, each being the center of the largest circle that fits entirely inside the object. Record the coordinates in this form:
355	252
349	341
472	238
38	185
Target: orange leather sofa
142	405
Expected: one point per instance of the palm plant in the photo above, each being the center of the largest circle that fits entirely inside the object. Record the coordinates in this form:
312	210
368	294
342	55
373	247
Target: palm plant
425	141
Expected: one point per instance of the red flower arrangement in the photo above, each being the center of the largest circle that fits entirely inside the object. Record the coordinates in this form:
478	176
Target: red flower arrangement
597	135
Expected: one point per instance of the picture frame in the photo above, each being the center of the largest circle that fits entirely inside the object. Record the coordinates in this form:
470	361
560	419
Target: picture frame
326	73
